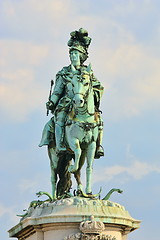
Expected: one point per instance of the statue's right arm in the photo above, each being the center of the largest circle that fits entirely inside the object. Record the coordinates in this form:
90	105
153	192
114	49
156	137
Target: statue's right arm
57	93
58	89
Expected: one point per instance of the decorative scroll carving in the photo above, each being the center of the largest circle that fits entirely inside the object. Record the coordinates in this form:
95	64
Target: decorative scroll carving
90	230
108	237
81	236
92	226
76	236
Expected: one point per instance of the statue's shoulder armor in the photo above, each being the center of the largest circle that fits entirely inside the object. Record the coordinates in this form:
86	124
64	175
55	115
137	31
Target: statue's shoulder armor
96	83
63	71
84	67
61	76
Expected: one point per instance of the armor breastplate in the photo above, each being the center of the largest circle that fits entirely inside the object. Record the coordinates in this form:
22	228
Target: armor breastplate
68	89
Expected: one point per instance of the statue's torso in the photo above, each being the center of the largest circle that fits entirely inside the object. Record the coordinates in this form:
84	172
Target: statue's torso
63	87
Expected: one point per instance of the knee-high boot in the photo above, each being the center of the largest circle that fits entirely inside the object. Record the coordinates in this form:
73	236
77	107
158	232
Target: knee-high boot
99	150
59	135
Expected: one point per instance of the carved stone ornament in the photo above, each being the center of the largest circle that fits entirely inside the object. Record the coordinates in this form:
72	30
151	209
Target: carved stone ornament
90	230
92	226
73	236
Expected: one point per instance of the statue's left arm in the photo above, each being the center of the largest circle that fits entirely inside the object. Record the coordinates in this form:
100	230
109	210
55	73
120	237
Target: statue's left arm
98	91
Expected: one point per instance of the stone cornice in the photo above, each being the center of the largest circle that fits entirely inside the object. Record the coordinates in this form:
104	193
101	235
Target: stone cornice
76	210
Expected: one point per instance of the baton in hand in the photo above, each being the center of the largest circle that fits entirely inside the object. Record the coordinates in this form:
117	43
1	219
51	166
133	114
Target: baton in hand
50	93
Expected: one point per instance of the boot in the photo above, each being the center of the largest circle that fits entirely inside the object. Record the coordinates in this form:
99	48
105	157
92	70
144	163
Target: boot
59	132
99	150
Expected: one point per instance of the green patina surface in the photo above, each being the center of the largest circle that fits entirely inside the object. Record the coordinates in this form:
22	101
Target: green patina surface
74	133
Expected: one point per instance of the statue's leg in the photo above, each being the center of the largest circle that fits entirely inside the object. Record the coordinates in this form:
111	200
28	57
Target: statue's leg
75	146
53	164
99	151
90	158
64	184
59	131
77	174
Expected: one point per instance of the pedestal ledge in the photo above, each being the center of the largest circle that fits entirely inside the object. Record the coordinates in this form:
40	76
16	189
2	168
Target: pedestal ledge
71	211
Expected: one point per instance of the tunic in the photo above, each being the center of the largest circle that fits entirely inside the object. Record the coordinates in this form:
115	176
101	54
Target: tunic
62	97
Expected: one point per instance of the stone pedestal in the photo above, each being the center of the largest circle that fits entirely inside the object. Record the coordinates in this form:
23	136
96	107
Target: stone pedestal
75	218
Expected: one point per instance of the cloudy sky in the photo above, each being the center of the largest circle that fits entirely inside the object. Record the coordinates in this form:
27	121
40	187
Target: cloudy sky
125	57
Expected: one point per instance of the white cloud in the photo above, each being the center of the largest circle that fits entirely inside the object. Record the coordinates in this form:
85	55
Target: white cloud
8	211
36	17
20	91
17	94
28	185
127	69
137	170
132	76
17	52
31	186
122	8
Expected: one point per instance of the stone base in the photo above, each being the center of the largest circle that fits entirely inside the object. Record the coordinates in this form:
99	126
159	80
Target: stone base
75	218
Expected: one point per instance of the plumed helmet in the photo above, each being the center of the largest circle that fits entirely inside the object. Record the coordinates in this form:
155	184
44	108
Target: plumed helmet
80	41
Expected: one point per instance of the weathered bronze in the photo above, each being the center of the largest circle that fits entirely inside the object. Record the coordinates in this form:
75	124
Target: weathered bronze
76	128
74	135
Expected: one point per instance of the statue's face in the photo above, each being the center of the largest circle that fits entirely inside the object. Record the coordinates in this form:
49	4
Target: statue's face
75	57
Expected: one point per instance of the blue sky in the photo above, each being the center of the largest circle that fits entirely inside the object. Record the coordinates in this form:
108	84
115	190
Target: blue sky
125	57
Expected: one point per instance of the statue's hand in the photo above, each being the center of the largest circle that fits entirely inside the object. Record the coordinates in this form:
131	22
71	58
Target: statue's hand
50	105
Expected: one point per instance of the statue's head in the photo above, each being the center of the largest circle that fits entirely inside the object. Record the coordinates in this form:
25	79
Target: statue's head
77	57
79	43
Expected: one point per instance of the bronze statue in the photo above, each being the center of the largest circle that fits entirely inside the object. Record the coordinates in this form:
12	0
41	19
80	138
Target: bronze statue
76	128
